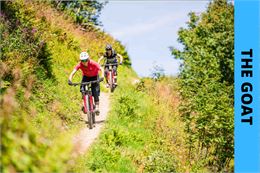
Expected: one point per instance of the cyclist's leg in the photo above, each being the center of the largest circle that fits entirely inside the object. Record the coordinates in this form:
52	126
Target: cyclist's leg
95	89
84	79
115	73
106	72
82	89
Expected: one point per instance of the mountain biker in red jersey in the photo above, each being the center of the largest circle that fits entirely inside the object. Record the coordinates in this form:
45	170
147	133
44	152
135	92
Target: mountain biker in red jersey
90	70
111	58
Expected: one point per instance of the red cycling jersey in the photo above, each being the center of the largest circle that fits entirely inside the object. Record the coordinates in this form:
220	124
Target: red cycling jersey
91	70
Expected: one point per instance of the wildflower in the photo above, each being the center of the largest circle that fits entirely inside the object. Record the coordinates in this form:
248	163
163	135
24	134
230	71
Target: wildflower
2	14
42	43
34	30
25	30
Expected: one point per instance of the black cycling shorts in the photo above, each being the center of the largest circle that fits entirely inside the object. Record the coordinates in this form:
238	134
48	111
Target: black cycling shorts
95	87
114	67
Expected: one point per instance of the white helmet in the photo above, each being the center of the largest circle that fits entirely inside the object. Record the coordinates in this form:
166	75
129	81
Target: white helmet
84	56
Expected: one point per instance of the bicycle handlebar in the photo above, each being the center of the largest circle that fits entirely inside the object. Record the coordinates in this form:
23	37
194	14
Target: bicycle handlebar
110	64
86	83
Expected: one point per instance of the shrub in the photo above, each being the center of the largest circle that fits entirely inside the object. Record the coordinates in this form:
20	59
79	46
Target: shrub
207	84
159	161
127	105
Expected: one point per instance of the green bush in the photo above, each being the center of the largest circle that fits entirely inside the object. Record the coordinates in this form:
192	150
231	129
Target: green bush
207	84
29	142
23	148
159	161
127	105
21	44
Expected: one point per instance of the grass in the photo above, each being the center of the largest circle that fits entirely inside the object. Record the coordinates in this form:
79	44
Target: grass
143	132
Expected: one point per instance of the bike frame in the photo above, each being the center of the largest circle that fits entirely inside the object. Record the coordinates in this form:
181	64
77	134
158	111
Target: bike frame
88	101
111	76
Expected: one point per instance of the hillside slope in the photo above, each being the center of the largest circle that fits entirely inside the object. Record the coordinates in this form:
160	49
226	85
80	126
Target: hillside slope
39	111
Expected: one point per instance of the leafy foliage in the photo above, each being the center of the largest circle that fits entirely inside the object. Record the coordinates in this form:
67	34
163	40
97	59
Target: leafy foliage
85	13
25	68
127	105
21	42
207	77
159	161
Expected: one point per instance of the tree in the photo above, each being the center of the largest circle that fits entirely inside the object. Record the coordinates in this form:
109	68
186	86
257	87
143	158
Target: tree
84	12
207	83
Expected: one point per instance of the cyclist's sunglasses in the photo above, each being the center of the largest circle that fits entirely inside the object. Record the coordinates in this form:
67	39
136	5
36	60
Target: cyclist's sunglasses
84	60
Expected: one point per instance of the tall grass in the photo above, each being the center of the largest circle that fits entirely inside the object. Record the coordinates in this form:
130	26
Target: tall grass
39	111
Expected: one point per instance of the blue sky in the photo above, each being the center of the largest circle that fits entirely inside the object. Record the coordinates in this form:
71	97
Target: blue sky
148	29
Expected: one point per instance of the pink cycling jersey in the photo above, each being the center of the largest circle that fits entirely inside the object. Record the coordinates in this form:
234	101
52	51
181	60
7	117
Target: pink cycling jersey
91	70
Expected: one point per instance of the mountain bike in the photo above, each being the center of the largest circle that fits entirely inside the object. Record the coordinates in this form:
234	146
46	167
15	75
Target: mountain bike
110	76
88	100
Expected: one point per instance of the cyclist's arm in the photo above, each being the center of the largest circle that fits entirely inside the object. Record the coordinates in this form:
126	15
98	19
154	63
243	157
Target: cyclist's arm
102	57
72	74
121	58
102	72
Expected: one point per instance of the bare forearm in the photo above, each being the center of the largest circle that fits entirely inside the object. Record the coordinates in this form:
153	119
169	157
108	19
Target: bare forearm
100	59
121	58
72	74
102	72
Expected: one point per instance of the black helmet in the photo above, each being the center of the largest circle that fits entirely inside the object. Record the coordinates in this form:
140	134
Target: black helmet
108	47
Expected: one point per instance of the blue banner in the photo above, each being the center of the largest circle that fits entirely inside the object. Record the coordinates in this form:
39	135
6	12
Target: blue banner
247	71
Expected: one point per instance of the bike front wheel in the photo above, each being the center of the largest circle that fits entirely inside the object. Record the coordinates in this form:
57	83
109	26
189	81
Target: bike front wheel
93	117
111	82
90	120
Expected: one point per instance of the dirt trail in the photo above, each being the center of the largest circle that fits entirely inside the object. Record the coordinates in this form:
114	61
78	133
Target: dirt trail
87	136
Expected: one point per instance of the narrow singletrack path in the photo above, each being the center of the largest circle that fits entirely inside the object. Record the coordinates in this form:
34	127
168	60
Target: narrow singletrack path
86	136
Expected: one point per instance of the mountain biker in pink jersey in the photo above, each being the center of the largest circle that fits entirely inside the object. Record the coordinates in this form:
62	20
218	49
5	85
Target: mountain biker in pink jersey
90	70
111	58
